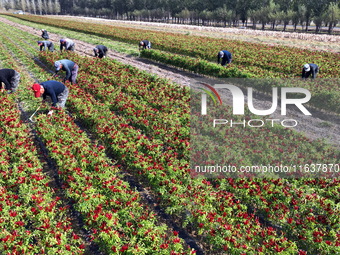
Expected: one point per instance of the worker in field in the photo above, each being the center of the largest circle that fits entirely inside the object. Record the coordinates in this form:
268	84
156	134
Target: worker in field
9	80
224	57
44	34
145	44
68	44
69	67
100	51
57	91
310	70
46	44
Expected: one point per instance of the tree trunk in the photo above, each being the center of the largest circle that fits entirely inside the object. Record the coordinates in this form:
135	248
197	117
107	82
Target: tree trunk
330	28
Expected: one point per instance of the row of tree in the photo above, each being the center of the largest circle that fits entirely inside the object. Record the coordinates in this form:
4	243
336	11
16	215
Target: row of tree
208	12
32	6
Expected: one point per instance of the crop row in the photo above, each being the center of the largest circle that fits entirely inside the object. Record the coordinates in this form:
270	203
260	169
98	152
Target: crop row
217	215
33	218
128	145
201	208
250	60
307	213
279	59
109	207
146	159
111	210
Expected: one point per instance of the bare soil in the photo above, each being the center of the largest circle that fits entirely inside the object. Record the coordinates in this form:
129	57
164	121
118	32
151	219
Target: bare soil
321	125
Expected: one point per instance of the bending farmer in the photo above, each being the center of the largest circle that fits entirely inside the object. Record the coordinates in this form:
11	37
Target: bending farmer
57	91
100	51
225	57
10	78
310	69
145	44
68	44
69	67
46	44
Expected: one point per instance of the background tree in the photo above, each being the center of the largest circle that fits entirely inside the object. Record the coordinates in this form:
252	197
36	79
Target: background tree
207	12
332	16
222	14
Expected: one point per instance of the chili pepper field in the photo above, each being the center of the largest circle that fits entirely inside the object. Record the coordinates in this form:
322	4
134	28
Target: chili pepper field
111	173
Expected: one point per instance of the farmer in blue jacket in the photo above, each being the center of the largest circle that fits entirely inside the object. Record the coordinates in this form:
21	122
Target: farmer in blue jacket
44	34
68	44
69	67
309	69
100	51
57	91
145	44
224	57
9	80
46	44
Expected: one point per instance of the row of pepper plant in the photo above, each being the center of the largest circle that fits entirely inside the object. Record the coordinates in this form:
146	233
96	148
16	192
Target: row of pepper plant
260	247
34	220
106	93
113	213
127	149
250	59
301	203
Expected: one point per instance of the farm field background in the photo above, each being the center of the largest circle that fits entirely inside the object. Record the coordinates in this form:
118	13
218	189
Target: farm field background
315	42
83	174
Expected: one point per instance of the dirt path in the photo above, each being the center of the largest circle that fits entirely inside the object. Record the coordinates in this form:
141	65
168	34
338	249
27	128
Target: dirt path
321	125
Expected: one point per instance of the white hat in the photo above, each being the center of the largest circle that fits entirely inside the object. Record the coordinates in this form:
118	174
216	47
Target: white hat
306	67
57	65
221	54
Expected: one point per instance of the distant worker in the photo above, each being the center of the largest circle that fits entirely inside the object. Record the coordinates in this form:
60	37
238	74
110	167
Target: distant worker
145	44
46	44
69	67
10	78
44	34
68	44
57	91
310	69
225	57
100	51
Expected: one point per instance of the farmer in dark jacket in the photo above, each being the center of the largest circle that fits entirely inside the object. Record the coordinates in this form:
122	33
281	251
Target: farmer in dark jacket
44	34
100	51
69	67
225	57
57	91
145	44
310	69
10	78
68	44
46	44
